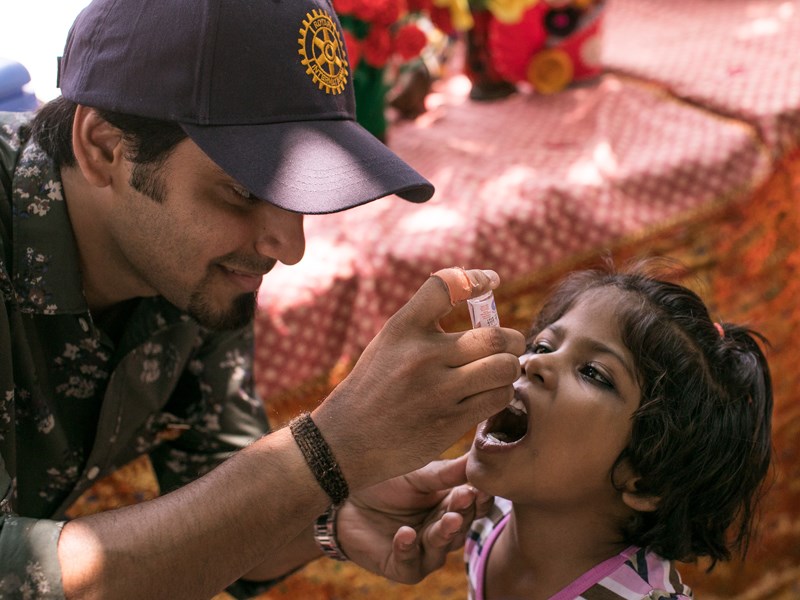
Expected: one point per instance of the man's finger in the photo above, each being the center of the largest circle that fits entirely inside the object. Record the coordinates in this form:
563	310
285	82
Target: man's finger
439	475
460	286
498	371
473	344
437	540
443	289
481	406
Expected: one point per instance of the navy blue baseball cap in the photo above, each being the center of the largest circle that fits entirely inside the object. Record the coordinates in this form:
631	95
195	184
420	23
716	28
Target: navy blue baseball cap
263	87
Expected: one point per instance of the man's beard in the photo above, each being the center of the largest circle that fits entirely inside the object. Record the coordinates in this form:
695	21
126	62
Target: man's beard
149	180
241	312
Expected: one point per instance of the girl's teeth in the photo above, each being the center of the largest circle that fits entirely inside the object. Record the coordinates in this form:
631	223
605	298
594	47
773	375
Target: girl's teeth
516	404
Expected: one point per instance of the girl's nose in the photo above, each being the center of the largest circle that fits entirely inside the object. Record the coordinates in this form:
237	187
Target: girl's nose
539	368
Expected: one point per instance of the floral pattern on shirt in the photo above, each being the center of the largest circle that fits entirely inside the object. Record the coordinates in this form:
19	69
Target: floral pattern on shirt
6	400
6	289
81	377
63	476
30	586
33	410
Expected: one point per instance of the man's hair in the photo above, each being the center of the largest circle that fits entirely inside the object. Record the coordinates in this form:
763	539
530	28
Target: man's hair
701	437
148	141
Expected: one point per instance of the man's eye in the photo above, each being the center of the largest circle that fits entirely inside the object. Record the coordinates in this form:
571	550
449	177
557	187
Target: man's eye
248	197
242	192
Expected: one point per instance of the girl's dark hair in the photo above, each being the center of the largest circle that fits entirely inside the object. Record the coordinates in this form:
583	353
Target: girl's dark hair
701	437
149	141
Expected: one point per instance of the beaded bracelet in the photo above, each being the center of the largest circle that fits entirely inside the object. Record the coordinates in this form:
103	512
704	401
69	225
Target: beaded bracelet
319	457
325	534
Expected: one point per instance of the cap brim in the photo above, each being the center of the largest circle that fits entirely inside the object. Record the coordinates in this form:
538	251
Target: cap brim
310	167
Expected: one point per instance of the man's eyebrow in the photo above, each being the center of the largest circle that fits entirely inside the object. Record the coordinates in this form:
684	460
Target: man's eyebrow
219	172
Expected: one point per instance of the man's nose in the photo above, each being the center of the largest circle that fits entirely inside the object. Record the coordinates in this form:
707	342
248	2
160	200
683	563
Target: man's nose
280	234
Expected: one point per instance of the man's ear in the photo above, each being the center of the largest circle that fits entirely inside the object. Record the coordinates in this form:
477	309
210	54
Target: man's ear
97	145
637	500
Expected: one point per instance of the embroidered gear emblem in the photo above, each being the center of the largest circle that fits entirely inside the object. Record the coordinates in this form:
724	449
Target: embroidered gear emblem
323	52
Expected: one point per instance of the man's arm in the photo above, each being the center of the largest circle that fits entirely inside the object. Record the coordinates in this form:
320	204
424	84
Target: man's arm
415	391
193	542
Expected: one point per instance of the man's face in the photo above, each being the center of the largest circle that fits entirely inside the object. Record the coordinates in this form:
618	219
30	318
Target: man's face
203	243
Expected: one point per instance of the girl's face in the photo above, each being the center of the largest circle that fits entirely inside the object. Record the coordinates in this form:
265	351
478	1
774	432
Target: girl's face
571	417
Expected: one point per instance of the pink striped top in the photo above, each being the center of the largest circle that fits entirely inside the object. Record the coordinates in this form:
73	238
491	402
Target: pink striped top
633	574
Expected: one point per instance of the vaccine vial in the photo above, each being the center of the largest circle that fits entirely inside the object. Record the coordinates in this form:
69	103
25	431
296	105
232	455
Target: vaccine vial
483	311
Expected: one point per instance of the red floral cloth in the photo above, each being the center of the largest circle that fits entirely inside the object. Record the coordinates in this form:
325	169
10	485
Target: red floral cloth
521	186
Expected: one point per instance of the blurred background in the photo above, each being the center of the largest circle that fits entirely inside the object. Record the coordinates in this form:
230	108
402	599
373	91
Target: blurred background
34	36
555	131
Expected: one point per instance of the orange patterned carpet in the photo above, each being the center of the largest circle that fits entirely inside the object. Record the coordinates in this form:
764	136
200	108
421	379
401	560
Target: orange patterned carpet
745	260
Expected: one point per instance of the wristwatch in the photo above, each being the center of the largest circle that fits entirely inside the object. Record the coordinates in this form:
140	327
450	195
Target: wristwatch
325	534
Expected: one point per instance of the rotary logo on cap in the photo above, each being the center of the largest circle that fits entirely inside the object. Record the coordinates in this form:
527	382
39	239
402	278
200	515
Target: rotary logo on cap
323	52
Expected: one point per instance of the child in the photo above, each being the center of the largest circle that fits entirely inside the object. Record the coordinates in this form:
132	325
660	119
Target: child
639	434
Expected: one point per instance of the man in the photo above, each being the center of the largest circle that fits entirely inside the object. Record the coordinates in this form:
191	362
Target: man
138	215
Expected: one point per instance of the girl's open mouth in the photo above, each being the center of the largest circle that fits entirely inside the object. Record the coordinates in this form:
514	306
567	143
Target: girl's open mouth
507	427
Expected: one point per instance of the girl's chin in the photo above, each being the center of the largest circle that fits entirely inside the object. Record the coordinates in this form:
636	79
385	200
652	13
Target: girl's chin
480	474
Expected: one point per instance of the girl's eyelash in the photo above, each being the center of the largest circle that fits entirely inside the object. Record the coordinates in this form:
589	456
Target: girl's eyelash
535	347
597	377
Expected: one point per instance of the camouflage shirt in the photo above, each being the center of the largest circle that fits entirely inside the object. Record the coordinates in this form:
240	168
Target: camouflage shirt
75	405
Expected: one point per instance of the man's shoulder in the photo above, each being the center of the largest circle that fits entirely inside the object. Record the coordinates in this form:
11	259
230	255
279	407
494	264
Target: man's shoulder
10	143
12	135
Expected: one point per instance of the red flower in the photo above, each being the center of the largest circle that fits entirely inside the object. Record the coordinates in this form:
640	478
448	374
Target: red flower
409	41
440	17
380	12
353	47
363	10
344	7
377	47
423	6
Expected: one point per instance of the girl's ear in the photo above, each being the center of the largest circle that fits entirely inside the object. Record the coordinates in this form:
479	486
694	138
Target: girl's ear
635	499
626	479
97	145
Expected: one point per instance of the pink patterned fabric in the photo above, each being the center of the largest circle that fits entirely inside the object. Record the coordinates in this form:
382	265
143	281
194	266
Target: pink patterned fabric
738	58
521	186
709	101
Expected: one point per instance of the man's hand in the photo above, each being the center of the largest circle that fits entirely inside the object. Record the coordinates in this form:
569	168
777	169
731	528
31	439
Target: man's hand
417	389
404	528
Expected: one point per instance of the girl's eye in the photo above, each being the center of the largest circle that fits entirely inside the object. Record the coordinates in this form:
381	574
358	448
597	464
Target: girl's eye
593	373
538	348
